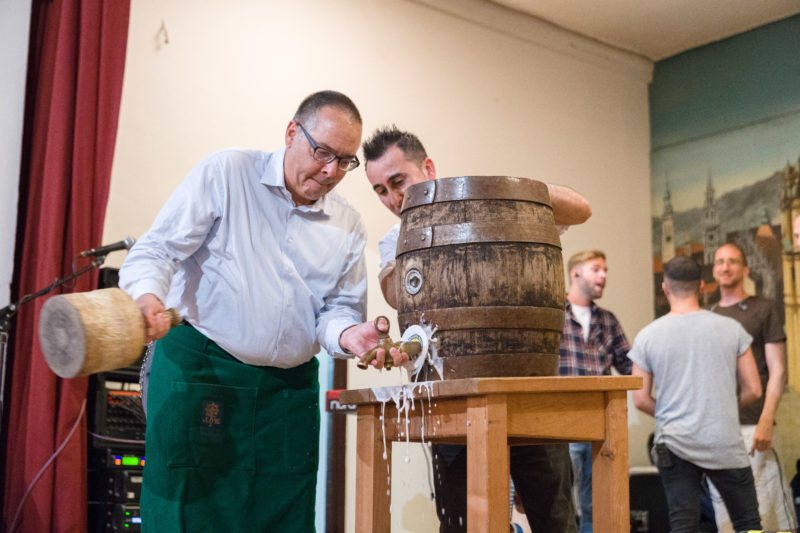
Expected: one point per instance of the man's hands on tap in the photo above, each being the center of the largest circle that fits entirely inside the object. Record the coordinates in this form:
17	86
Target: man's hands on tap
370	342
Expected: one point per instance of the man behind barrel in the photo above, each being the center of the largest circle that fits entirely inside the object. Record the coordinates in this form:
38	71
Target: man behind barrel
592	343
395	160
265	263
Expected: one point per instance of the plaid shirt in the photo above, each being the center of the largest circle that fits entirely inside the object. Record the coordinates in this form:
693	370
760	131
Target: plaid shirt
607	345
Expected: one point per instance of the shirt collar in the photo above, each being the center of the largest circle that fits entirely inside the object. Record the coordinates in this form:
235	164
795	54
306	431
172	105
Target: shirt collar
274	177
273	174
592	306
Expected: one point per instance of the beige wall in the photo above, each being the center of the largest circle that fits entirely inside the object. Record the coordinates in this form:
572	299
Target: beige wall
488	91
14	28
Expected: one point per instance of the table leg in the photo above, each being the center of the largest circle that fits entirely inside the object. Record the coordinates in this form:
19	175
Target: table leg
373	482
610	489
487	464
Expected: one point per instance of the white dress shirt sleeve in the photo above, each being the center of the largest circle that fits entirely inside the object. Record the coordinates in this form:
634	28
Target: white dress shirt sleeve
178	231
346	305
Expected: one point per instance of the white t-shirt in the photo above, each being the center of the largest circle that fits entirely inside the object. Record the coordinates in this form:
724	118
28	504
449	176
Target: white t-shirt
583	314
387	246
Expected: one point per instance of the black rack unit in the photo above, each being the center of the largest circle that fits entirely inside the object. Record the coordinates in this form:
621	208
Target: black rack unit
116	426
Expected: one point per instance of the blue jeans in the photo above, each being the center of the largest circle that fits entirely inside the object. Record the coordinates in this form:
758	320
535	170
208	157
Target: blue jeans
682	486
581	455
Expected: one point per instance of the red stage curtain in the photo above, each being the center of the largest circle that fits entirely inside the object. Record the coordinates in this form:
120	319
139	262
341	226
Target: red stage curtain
74	86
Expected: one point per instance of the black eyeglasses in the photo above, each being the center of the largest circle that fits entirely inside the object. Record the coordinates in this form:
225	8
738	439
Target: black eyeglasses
325	156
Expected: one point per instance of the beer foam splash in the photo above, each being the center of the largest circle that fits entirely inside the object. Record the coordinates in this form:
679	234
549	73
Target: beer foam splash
431	355
404	396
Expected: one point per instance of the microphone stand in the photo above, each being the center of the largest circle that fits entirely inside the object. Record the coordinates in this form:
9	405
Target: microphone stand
10	310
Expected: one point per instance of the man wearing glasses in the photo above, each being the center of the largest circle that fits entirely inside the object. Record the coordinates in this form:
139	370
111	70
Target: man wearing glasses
395	160
760	319
265	264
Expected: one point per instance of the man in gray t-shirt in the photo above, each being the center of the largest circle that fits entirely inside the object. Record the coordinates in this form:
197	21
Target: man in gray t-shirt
695	359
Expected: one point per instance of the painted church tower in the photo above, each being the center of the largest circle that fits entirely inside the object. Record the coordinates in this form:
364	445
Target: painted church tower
712	236
667	229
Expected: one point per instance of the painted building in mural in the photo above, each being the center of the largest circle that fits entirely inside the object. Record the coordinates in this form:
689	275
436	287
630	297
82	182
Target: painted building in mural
711	232
698	233
790	209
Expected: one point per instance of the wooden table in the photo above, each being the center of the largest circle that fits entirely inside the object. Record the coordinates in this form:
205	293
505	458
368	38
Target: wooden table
489	415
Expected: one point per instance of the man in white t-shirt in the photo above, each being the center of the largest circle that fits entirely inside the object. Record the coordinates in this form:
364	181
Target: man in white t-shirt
395	160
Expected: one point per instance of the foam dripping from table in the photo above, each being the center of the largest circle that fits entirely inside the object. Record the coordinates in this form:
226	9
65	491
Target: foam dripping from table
404	396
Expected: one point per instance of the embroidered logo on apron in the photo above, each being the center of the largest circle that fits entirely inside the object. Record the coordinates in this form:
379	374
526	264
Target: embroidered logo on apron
212	414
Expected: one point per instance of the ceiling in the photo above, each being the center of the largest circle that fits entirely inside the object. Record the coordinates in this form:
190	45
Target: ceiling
657	29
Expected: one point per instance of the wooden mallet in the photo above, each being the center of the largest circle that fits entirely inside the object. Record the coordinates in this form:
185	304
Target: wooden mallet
97	331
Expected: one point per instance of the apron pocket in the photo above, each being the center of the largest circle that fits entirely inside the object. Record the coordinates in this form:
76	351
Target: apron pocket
212	427
290	441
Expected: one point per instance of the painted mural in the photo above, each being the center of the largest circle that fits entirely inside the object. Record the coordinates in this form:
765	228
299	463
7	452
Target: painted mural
725	164
730	187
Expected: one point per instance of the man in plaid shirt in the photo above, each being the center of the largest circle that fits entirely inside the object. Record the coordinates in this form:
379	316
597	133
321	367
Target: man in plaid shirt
592	343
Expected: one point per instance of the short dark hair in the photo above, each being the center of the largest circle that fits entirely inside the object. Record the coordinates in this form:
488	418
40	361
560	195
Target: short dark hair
388	136
312	103
682	275
736	247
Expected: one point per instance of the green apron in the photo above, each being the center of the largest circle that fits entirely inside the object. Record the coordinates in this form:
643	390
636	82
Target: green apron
230	447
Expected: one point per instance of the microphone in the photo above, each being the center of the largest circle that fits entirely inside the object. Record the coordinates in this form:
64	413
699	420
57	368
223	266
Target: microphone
124	244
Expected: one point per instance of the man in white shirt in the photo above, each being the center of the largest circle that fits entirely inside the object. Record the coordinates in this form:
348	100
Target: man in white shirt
395	160
265	263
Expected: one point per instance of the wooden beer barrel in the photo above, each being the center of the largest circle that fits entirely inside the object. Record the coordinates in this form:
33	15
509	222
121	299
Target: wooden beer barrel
480	258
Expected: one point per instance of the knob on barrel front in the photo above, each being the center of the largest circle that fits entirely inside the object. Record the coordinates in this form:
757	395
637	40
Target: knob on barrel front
88	332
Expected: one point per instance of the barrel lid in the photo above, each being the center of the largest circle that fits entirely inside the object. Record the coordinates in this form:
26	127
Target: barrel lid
476	188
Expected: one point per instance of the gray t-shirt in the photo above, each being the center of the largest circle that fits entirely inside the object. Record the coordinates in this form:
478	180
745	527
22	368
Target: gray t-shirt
692	358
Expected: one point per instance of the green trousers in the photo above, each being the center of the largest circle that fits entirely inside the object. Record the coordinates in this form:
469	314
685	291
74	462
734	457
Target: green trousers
230	447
